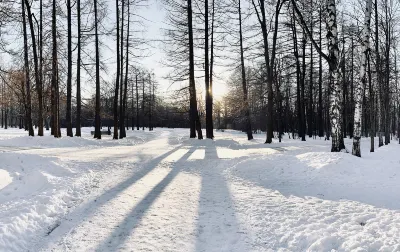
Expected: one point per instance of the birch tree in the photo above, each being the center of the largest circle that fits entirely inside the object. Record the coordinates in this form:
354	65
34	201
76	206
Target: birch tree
334	69
362	79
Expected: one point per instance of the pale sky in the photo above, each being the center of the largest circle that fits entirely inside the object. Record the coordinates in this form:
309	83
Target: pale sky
154	16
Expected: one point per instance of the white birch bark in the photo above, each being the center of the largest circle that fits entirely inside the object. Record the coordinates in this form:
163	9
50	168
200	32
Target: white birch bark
334	111
362	80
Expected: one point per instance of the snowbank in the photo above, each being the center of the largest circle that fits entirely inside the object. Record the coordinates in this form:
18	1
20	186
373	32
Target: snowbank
161	191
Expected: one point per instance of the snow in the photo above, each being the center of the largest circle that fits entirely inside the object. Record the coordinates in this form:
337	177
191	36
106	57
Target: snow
160	191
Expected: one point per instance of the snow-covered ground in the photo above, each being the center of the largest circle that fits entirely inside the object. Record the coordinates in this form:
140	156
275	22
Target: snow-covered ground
159	191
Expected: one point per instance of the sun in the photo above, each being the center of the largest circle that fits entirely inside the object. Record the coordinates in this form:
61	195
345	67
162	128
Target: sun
220	90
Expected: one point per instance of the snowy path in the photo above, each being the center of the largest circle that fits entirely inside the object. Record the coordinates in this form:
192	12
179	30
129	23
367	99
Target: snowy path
158	208
162	192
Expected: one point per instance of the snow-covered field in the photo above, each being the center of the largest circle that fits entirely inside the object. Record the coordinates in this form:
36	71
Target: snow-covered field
159	191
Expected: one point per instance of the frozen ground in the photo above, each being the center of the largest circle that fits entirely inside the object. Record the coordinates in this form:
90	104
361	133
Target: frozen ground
160	191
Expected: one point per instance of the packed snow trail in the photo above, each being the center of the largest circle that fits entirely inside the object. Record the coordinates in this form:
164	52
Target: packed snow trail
163	192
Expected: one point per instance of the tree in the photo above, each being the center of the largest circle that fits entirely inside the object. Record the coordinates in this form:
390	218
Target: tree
69	74
121	98
363	80
28	106
55	127
269	60
117	76
38	80
244	83
123	131
334	70
209	113
195	124
97	133
78	73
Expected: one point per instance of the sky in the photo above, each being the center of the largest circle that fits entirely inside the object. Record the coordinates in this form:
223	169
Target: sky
154	16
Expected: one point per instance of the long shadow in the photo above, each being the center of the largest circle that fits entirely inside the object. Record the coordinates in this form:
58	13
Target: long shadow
90	207
135	216
217	225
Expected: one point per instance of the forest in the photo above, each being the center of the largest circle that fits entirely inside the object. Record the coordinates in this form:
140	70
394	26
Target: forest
199	125
304	68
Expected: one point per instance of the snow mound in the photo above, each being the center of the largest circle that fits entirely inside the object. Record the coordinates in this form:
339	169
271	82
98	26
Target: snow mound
34	193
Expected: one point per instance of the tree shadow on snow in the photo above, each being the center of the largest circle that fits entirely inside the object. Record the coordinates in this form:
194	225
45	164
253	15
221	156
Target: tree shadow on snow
217	225
133	219
88	209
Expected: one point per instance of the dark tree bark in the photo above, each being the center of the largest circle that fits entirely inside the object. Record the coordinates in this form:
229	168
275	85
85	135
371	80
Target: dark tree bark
116	123
122	130
69	71
320	106
143	102
150	103
212	61
302	82
41	62
386	103
78	132
209	119
352	88
54	77
28	106
344	87
121	98
244	82
97	132
137	105
300	129
378	73
371	105
195	124
269	60
311	87
133	106
38	81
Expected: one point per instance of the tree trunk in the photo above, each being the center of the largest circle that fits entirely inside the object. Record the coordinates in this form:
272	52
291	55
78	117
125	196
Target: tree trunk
195	124
137	105
123	131
69	73
97	132
150	100
344	88
352	89
121	98
371	106
300	129
28	106
334	110
310	99
269	61
133	106
54	76
37	73
78	74
209	119
302	82
212	66
143	102
244	82
116	123
320	115
363	80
